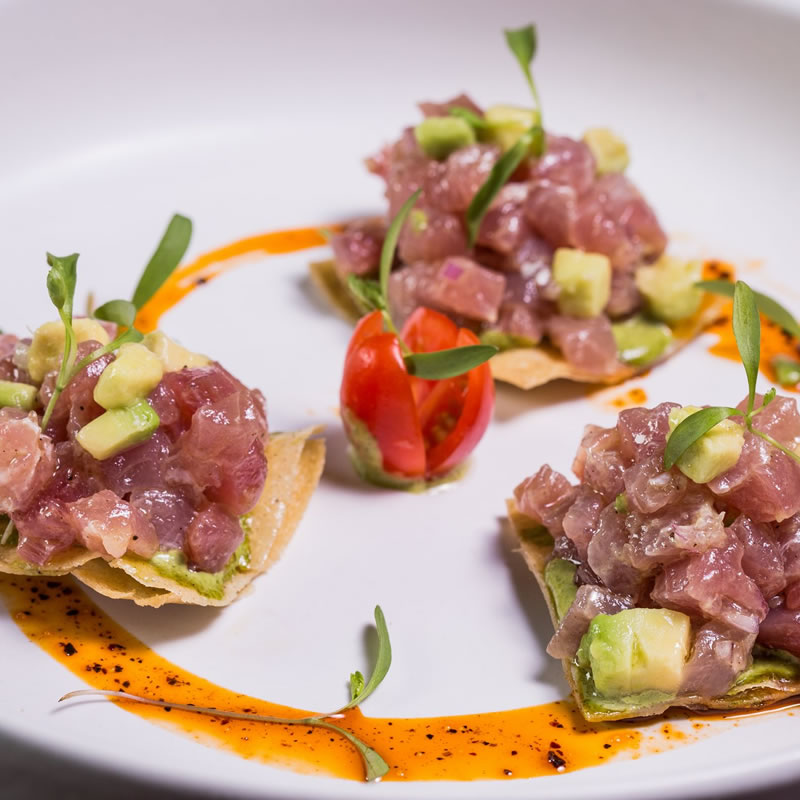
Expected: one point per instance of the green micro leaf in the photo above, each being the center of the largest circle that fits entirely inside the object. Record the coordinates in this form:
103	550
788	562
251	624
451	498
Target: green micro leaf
475	120
382	663
356	685
61	280
692	428
367	292
522	43
503	169
770	308
390	242
166	258
122	312
747	330
442	364
374	765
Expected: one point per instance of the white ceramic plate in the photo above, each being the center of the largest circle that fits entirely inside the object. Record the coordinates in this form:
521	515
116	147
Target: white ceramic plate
254	116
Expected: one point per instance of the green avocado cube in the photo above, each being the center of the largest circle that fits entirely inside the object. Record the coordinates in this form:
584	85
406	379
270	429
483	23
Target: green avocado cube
440	136
668	287
134	373
584	281
636	650
609	150
640	341
505	124
559	575
713	453
118	429
18	395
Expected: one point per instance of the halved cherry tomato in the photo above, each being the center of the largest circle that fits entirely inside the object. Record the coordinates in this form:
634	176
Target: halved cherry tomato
422	429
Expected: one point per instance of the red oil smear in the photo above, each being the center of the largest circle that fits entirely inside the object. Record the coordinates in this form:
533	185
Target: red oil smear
548	739
214	263
774	340
522	743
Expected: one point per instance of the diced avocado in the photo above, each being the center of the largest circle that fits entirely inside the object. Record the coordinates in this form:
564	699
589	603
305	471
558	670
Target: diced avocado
118	429
787	370
640	341
131	376
174	357
47	346
769	666
559	575
505	341
584	280
713	453
609	150
18	395
505	124
636	650
668	287
87	329
440	136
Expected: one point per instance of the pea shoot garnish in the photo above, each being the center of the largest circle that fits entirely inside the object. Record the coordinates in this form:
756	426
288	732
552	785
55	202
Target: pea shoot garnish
770	308
374	296
747	331
61	282
522	43
375	767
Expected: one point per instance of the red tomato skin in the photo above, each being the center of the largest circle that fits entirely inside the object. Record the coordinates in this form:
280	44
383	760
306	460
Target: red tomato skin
427	330
367	326
398	409
475	417
377	391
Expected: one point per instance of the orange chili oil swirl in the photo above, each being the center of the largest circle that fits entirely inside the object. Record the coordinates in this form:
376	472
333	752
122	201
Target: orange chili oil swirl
635	396
523	743
210	265
774	340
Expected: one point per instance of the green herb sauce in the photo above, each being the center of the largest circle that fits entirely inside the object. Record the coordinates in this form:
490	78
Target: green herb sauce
172	564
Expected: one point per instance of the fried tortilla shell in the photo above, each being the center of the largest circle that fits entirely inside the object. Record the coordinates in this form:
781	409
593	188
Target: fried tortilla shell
529	367
775	675
295	462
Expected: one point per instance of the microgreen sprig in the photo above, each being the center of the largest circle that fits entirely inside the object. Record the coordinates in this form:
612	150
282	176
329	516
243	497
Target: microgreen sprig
522	43
374	296
375	767
61	282
503	169
747	331
770	308
171	249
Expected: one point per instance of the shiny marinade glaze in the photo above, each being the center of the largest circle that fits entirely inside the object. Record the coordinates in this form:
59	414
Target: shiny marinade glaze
566	251
174	492
701	575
